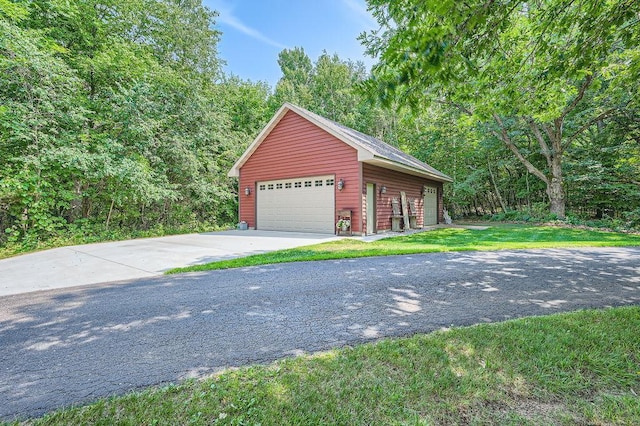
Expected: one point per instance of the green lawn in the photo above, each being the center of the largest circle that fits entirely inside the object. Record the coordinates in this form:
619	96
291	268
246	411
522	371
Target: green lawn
446	239
575	368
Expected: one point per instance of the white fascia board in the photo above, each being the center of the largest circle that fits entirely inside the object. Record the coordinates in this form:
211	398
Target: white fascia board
365	155
392	165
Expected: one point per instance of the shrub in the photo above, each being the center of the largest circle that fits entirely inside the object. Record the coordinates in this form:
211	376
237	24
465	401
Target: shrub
632	218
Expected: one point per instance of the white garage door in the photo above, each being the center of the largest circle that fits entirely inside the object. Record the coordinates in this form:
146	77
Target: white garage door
303	204
430	205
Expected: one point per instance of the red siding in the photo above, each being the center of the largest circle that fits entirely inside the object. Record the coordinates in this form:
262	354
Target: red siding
295	148
396	182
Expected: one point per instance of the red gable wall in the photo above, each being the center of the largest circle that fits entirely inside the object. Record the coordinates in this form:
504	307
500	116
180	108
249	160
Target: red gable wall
295	148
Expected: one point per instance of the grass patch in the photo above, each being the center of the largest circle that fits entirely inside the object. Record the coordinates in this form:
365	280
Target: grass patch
576	368
440	240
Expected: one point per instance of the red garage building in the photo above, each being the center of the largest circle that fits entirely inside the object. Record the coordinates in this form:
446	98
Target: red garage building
303	170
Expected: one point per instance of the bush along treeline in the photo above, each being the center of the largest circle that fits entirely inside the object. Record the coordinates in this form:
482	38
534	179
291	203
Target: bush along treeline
116	119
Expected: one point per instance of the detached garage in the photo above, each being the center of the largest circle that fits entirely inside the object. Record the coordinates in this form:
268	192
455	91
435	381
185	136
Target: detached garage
303	172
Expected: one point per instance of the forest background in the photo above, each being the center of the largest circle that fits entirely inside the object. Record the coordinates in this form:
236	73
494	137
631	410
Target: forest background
116	119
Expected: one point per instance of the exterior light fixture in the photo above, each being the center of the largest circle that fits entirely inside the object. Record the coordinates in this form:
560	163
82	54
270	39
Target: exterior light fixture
247	191
340	184
383	189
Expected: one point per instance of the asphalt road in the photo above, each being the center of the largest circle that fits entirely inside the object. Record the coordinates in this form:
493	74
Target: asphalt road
72	346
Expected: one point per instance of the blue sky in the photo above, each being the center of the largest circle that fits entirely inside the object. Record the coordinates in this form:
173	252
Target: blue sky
255	31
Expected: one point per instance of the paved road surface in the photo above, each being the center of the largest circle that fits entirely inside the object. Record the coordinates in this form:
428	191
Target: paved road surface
63	347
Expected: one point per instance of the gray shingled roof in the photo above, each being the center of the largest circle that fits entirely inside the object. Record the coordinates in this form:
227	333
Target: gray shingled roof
374	150
377	147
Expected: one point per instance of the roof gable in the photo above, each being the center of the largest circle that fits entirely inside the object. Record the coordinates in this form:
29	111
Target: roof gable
370	150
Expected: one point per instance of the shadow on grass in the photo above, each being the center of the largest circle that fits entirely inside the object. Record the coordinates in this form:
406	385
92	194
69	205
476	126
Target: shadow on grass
440	240
498	238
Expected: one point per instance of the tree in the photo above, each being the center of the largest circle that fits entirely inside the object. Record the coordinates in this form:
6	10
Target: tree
246	102
38	114
112	114
330	87
544	71
333	88
604	168
294	84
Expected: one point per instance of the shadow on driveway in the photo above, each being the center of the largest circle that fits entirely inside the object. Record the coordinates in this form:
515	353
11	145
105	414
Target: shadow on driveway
73	346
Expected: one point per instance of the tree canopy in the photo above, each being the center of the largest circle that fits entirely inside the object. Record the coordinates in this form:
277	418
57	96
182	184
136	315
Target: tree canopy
113	114
545	71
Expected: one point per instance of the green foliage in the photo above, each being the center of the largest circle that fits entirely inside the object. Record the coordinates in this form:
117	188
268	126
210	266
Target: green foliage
246	103
329	87
118	114
543	72
633	218
115	115
12	11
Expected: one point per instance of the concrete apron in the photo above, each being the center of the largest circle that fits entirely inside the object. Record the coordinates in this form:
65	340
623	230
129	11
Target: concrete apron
125	260
147	257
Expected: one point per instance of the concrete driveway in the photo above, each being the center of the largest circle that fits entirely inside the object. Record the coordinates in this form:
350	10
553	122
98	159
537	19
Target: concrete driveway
142	258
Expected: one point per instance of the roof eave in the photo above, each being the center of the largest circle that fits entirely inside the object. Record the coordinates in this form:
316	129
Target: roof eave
392	165
363	154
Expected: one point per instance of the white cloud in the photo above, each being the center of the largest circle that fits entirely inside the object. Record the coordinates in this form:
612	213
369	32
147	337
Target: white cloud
228	18
360	8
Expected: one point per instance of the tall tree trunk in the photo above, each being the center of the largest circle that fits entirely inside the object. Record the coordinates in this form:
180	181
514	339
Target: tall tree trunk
495	187
113	201
555	189
553	155
75	206
526	178
490	202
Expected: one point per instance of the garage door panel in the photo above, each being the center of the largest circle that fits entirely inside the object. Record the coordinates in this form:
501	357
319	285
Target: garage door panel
303	204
